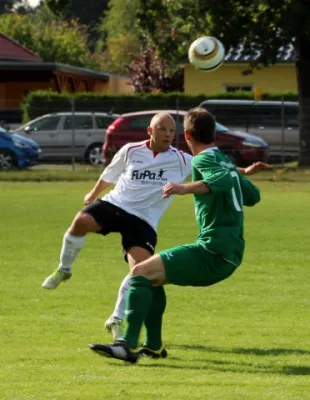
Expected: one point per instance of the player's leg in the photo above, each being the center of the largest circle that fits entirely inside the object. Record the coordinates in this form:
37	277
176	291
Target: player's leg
91	219
114	324
189	265
139	305
138	240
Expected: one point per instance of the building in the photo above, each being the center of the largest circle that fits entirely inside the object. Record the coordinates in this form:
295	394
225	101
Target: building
232	75
22	71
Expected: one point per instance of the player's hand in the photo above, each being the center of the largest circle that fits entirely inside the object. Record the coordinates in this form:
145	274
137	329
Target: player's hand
256	167
89	198
173	188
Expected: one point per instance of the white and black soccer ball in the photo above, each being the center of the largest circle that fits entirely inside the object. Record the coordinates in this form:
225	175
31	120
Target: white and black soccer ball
206	53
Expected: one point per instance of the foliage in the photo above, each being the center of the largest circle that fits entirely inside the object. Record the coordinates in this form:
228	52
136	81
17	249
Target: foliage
53	39
148	72
87	13
118	35
6	5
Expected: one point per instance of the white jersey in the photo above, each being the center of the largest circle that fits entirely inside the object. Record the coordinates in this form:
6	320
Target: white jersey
140	174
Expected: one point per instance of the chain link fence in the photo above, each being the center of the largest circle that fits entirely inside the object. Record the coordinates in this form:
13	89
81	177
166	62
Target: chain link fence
76	133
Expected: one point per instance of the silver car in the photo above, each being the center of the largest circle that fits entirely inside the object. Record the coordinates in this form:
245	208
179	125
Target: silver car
62	135
276	122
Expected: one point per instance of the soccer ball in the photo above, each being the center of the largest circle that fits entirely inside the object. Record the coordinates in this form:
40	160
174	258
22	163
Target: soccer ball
206	53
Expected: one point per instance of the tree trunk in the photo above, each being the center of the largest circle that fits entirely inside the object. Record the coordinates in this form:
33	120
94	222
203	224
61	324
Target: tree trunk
303	84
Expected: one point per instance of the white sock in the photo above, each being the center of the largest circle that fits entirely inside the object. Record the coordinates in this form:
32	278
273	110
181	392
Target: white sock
120	306
71	245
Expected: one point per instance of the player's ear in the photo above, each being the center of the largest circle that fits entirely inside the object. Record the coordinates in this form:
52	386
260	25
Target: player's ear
187	135
149	131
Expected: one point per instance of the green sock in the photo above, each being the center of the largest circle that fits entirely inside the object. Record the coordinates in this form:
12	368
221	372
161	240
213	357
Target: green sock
153	320
139	300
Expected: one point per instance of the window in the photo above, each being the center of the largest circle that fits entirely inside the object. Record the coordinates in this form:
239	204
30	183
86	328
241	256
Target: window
140	123
266	116
291	116
80	122
232	115
179	123
46	124
235	87
104	121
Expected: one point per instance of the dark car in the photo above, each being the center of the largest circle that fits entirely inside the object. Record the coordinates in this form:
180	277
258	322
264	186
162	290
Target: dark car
17	151
241	147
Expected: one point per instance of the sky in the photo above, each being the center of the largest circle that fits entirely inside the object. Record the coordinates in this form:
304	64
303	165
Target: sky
33	3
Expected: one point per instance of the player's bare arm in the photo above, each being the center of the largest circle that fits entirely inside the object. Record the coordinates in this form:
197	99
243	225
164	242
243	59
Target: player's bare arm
99	187
181	189
254	168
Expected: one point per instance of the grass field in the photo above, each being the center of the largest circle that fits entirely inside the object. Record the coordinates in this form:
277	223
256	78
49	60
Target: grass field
245	338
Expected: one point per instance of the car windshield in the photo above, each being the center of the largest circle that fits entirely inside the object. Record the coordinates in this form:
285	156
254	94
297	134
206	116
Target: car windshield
221	128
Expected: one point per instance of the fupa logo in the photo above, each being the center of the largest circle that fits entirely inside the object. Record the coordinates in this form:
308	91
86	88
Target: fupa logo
147	174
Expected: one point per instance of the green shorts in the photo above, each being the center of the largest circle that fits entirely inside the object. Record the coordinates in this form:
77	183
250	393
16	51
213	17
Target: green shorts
193	265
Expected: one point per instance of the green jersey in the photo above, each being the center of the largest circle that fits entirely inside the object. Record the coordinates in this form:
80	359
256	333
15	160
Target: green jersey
219	213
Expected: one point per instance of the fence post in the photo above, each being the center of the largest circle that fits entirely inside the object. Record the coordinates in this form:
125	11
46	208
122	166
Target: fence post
72	100
282	132
177	139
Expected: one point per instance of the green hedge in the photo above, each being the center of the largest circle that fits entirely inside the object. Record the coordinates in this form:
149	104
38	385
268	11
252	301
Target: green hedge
42	102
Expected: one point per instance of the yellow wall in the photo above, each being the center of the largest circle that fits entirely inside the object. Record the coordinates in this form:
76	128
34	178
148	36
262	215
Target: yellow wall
278	78
119	85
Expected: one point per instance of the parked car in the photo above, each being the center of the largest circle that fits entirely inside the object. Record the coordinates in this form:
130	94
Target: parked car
241	147
275	122
17	151
54	134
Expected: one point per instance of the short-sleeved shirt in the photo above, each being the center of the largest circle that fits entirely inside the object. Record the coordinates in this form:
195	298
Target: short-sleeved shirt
219	214
140	174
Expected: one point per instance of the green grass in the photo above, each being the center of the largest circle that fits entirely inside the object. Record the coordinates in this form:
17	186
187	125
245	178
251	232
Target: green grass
245	338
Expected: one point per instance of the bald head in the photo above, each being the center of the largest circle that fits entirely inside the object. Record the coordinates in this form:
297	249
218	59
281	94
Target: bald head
161	118
161	131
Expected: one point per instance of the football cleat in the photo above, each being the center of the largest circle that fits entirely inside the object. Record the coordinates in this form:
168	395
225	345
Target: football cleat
146	352
114	325
118	350
58	276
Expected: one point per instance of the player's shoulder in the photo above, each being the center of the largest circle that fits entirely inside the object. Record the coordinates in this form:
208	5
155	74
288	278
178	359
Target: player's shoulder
184	156
134	145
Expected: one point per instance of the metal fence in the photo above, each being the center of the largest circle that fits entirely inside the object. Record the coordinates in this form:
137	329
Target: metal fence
76	133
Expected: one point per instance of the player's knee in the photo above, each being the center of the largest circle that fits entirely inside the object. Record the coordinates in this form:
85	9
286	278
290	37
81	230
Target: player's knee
139	270
82	224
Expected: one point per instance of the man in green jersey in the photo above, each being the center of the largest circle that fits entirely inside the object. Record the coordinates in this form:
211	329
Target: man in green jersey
220	193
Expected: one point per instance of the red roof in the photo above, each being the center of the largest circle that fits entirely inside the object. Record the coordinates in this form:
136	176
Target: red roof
13	51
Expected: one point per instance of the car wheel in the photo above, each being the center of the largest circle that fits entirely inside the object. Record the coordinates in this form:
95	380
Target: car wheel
94	154
7	160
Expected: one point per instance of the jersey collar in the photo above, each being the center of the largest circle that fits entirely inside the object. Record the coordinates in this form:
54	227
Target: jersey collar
209	150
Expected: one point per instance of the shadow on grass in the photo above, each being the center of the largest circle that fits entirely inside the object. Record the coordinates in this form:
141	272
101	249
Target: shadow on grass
254	351
237	366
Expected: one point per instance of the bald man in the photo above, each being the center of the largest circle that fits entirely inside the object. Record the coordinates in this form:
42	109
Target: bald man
135	205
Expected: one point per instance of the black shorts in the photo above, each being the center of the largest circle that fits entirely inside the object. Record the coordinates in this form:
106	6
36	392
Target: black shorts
134	231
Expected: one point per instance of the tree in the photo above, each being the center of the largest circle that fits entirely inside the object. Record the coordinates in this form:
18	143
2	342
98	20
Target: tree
6	5
88	13
118	35
53	39
264	26
148	72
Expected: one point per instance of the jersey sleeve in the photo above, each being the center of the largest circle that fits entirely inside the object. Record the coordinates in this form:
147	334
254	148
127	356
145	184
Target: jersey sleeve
118	165
250	193
217	177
